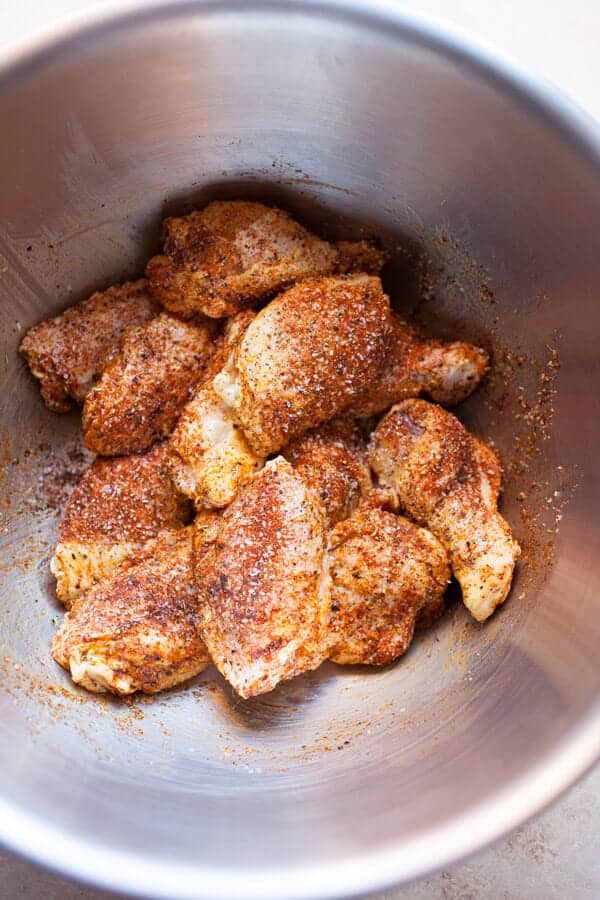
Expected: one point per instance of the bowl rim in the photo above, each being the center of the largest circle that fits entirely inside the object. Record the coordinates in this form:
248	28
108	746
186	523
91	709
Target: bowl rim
491	819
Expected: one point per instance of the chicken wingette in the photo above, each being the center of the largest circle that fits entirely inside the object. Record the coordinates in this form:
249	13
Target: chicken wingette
67	353
447	480
137	630
234	254
259	575
386	576
145	385
117	506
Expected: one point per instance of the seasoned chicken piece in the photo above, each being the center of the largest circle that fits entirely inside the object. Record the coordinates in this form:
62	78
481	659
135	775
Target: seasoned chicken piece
210	457
449	481
66	353
118	505
259	571
415	365
332	461
137	629
145	386
234	254
231	255
385	573
305	358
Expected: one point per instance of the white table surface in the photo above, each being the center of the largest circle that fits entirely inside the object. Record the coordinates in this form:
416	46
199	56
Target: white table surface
556	857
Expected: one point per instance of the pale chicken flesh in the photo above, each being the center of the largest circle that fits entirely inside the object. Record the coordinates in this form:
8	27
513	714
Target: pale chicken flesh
210	456
446	372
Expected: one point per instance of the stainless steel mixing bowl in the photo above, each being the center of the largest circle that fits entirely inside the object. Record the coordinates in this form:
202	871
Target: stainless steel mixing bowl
488	186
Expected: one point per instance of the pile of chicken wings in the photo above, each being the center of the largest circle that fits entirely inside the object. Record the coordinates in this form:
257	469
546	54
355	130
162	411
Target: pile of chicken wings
270	490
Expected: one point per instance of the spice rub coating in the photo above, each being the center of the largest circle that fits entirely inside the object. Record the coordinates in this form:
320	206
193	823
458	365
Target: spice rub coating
137	629
447	480
233	254
332	461
446	372
306	357
145	385
359	256
66	353
260	583
118	505
385	573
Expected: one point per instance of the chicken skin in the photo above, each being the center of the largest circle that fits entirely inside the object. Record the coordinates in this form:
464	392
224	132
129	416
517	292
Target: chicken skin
137	629
66	353
306	357
446	372
210	457
385	573
235	254
332	460
145	386
449	481
259	573
118	505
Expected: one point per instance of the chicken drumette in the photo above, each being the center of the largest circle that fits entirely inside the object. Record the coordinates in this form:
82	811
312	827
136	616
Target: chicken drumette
322	347
446	372
305	358
449	481
145	385
295	364
234	254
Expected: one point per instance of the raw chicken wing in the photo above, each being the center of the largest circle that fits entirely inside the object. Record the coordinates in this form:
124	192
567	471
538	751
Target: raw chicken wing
449	481
137	630
235	254
306	357
385	573
260	581
118	505
145	386
67	353
359	256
